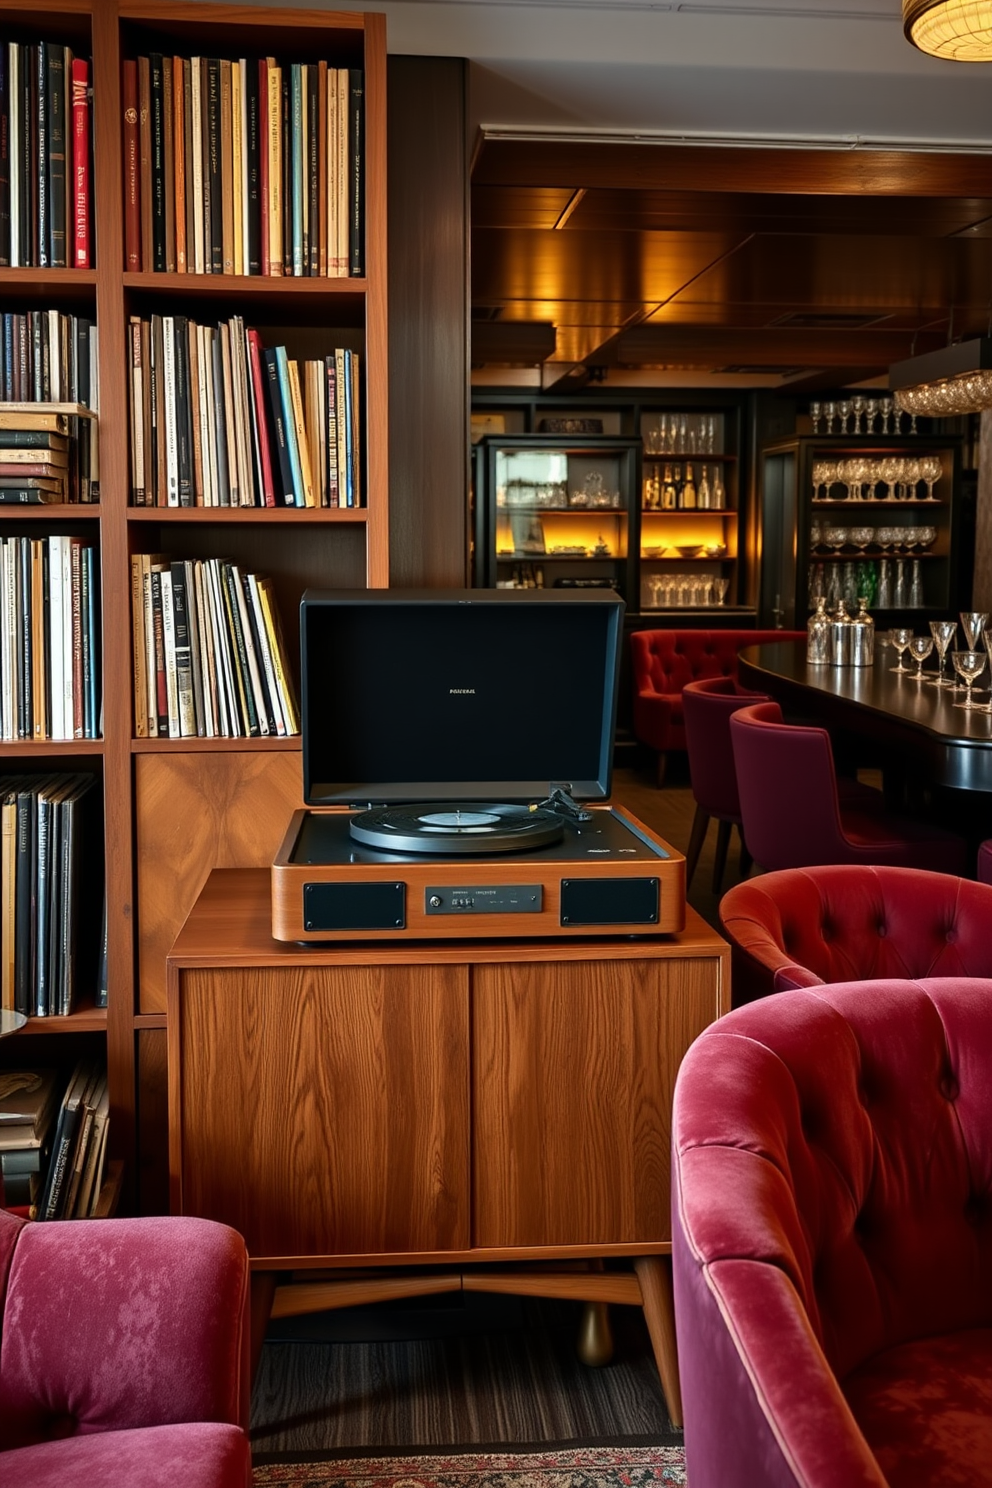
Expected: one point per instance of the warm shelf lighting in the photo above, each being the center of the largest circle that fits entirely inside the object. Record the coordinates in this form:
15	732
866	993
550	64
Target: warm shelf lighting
957	30
956	379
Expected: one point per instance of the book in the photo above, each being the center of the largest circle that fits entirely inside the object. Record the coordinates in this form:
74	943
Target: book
185	709
132	168
64	1143
90	1179
300	429
4	161
82	212
8	848
158	185
296	489
213	161
196	157
261	421
274	166
226	168
28	1100
55	58
168	165
178	162
145	169
139	658
278	424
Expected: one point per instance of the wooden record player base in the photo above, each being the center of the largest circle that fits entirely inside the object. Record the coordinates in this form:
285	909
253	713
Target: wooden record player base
381	1119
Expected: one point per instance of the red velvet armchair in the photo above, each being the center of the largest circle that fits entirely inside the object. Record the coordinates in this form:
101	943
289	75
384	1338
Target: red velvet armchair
832	1239
663	661
802	927
124	1354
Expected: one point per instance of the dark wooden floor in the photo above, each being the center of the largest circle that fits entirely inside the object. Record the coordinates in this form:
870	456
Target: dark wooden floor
470	1369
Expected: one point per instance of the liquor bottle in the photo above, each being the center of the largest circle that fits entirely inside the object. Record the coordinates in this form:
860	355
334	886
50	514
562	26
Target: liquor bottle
689	500
668	496
677	485
884	585
818	634
863	636
704	494
916	587
718	495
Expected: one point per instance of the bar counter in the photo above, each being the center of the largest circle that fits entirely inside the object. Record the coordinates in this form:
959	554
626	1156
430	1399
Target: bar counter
950	746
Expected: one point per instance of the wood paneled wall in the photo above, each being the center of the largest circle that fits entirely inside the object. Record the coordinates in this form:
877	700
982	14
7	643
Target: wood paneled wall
428	322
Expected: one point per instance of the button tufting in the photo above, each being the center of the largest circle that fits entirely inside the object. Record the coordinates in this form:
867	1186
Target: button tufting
882	929
951	936
949	1087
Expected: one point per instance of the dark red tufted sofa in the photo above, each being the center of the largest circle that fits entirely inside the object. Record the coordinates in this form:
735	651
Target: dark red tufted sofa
832	1239
125	1354
663	661
802	927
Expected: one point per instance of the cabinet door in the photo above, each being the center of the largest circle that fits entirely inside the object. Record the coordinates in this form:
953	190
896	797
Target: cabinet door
324	1110
573	1066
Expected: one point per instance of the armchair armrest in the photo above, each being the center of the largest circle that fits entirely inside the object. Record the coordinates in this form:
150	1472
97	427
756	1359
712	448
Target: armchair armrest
123	1323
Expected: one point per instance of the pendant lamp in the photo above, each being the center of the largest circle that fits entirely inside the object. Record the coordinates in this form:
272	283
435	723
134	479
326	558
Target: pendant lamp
956	379
957	30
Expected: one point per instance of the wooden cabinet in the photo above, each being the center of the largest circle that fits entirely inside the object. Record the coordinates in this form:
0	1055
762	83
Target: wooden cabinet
162	797
458	1103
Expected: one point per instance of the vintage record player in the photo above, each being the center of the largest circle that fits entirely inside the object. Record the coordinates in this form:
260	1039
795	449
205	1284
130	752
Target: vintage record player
457	760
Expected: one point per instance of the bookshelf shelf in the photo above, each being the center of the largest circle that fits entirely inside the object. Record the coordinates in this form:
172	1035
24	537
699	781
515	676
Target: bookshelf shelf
244	789
221	515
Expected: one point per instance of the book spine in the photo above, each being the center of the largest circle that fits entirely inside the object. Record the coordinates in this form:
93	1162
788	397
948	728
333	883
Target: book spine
253	167
14	150
42	224
279	426
312	75
261	421
39	641
76	613
289	425
254	686
302	440
237	170
226	169
196	153
263	164
323	143
151	648
185	709
138	656
93	684
242	679
56	155
184	433
193	628
191	202
356	151
4	160
278	652
213	157
146	199
25	721
42	894
274	167
29	155
87	640
80	196
168	166
161	679
138	493
23	895
169	395
296	165
179	162
68	657
158	180
286	118
330	365
277	718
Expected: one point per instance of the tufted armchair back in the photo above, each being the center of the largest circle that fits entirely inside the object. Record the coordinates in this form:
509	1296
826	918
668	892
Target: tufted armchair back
832	1197
802	927
665	660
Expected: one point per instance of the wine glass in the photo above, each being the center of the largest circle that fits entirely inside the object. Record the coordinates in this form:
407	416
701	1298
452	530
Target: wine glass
890	470
830	413
816	413
930	471
858	407
900	637
919	649
871	414
823	475
886	405
943	632
844	413
969	665
973	623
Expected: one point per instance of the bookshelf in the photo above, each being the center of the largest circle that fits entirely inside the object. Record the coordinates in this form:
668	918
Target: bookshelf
174	809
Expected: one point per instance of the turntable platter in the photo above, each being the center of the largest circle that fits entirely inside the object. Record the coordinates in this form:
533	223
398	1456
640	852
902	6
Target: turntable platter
470	827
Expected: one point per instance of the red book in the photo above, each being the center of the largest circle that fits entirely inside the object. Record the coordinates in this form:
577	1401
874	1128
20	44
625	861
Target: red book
81	163
258	396
263	157
75	572
132	170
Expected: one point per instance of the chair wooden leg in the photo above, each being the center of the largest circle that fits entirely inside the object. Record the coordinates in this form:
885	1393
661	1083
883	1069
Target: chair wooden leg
746	860
697	837
662	762
720	860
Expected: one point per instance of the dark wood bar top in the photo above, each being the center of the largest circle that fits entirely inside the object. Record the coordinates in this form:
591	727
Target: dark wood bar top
951	745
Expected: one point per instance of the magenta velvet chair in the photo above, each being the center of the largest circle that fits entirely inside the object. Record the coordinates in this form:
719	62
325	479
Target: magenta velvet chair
832	1239
794	818
802	927
706	709
124	1354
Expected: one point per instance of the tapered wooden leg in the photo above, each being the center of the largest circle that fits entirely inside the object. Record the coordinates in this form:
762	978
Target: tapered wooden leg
662	762
746	860
263	1289
655	1278
594	1345
720	861
696	839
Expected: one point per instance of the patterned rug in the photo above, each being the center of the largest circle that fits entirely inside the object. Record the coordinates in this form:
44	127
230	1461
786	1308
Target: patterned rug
627	1466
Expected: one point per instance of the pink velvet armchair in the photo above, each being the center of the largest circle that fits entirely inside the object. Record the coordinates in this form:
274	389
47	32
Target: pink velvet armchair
123	1354
832	1238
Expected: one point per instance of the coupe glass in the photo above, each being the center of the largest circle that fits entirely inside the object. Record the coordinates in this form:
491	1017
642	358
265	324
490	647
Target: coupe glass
900	637
943	632
969	665
919	649
973	623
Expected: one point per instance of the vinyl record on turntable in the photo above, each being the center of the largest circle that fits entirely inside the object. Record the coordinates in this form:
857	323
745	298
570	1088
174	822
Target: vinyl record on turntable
465	827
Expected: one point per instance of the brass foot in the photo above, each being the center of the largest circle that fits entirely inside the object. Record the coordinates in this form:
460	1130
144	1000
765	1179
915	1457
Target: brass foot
594	1345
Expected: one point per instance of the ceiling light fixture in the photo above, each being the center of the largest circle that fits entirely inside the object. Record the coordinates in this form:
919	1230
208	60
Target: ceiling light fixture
957	30
956	379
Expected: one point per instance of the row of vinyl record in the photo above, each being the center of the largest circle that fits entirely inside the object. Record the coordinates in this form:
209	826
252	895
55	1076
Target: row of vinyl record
53	1140
49	912
49	357
45	157
209	658
216	419
243	166
49	639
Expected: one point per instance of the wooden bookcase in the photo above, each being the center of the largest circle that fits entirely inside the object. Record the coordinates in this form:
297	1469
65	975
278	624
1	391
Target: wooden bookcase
175	809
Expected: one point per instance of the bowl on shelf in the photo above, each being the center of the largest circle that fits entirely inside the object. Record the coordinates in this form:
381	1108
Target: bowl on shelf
715	550
688	550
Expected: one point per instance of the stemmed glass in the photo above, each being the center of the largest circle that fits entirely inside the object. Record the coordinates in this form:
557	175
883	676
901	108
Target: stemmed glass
930	471
911	479
871	414
823	475
973	623
968	665
900	637
858	406
830	413
943	634
919	649
816	413
886	405
844	413
890	470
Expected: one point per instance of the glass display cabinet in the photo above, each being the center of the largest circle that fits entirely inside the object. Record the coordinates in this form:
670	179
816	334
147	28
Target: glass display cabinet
848	515
553	512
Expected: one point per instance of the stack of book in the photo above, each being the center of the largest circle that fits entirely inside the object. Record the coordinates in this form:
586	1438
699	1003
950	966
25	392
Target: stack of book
219	420
49	357
75	1169
45	105
49	639
244	166
28	1102
49	921
48	454
209	659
